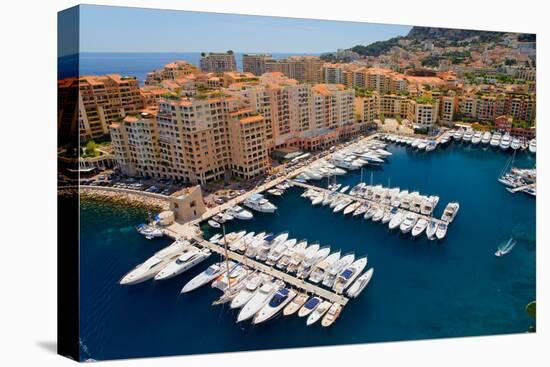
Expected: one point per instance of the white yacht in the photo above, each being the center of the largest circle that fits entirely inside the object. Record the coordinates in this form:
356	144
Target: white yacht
431	229
259	203
231	237
432	144
441	231
330	198
215	238
154	264
378	215
341	204
515	145
190	257
422	145
346	277
419	227
389	214
319	270
275	304
212	223
344	189
268	244
291	254
254	246
495	139
467	137
318	313
309	306
310	260
150	231
458	134
230	278
318	199
332	314
211	273
361	210
337	268
486	138
240	213
371	211
505	142
352	207
476	139
408	223
252	286
260	298
296	304
356	288
450	212
279	250
237	244
533	145
396	220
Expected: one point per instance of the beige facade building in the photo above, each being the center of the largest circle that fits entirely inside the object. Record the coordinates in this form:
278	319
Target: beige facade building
393	106
218	62
366	108
255	63
172	71
423	112
305	69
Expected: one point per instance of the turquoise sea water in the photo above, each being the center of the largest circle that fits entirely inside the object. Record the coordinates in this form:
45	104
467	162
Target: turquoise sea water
420	289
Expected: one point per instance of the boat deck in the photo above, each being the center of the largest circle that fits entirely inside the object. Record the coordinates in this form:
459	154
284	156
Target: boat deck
287	278
363	200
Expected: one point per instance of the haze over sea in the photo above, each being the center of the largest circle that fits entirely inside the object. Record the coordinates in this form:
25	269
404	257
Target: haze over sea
136	64
420	289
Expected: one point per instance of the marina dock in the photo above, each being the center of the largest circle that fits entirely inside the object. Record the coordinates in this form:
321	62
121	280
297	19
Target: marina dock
287	278
363	200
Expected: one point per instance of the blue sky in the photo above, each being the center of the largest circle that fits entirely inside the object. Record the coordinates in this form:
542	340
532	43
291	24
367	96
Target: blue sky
120	29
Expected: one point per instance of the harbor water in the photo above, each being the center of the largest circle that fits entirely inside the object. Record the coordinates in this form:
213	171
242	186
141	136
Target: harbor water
420	289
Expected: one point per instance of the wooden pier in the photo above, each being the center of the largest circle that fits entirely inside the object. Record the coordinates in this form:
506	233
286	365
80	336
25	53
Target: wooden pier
367	201
287	278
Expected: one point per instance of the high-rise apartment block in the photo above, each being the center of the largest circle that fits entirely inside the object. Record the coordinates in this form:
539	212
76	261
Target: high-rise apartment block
255	63
218	62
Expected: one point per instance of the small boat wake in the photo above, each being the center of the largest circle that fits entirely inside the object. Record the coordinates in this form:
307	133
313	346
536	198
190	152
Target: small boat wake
503	250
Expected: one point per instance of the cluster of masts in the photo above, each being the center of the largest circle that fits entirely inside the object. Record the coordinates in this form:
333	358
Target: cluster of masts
410	211
260	296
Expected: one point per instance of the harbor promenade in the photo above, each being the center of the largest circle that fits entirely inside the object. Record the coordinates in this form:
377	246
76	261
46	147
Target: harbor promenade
287	278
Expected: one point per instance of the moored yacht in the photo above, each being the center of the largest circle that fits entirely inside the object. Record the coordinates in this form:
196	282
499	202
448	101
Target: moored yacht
533	145
337	268
396	220
486	138
331	315
292	253
419	227
495	139
356	288
505	142
458	134
408	223
190	257
450	212
431	229
318	313
346	277
240	213
296	304
467	137
515	145
352	207
211	273
309	306
251	287
441	231
275	304
476	139
319	270
259	203
309	261
260	298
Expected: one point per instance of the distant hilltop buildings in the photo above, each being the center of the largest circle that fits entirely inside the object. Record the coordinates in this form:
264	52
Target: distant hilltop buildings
209	122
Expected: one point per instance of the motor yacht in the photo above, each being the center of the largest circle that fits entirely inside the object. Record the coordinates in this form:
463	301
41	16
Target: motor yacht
467	137
331	315
356	288
371	211
154	264
515	145
318	199
441	231
458	134
277	302
190	257
431	229
476	139
319	269
236	244
212	223
149	231
266	246
450	212
344	189
486	139
348	275
251	287
259	300
279	250
318	312
408	223
352	207
337	268
342	203
431	145
361	210
307	264
231	278
309	306
505	142
215	238
396	221
211	273
240	213
389	214
419	227
295	304
293	253
495	139
378	215
259	203
533	146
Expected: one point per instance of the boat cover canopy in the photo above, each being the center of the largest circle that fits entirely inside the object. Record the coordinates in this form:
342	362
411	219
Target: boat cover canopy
312	302
347	273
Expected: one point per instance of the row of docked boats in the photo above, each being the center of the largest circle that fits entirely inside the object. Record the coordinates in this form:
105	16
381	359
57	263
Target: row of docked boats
410	212
279	189
420	144
496	139
520	179
231	213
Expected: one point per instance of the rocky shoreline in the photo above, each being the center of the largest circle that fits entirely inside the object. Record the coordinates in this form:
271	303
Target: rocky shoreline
122	198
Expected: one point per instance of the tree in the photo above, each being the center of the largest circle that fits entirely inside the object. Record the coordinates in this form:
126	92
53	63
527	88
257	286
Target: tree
91	146
230	52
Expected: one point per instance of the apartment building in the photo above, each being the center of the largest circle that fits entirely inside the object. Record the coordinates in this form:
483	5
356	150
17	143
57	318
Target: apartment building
233	77
423	112
172	71
218	62
305	69
379	80
249	153
448	106
255	63
486	107
333	106
393	106
103	100
366	107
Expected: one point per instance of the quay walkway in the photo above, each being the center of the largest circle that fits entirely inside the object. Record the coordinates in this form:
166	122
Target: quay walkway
287	278
363	200
523	187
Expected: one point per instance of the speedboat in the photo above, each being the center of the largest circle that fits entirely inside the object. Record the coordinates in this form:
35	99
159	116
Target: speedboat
441	231
346	277
486	138
431	229
279	250
259	203
233	246
231	237
275	304
291	253
505	142
533	146
212	223
309	306
419	227
240	213
260	298
190	257
344	202
450	212
408	223
467	137
337	268
296	304
331	315
378	215
396	220
319	270
252	286
231	278
495	139
352	207
318	313
389	214
361	210
267	245
356	288
515	145
154	264
501	251
476	139
211	273
215	238
310	260
150	231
